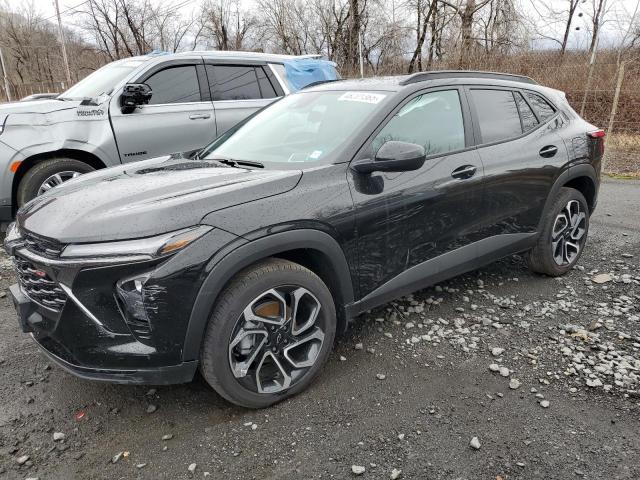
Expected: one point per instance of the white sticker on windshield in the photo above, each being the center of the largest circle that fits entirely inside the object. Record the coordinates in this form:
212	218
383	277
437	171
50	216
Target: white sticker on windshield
364	97
315	154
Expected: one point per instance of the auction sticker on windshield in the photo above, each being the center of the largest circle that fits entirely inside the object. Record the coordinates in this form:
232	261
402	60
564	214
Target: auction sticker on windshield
364	97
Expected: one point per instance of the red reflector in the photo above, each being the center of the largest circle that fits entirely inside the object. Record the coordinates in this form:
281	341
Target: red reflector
596	134
40	273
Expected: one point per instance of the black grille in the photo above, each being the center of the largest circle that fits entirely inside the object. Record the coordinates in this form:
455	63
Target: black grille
38	286
47	248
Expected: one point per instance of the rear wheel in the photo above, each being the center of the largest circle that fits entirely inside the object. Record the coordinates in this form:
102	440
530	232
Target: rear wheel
563	236
270	333
48	174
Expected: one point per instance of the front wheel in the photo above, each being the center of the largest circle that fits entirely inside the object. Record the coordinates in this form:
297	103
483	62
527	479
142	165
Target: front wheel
563	236
45	175
270	333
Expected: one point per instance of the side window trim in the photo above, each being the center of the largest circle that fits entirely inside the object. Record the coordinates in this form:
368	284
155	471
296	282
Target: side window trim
476	126
264	72
282	83
515	100
144	76
363	151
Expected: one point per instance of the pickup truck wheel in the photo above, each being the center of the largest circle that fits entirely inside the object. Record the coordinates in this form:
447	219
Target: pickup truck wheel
44	176
563	236
271	331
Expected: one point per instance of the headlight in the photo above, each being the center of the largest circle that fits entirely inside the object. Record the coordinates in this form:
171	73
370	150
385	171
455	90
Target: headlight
151	247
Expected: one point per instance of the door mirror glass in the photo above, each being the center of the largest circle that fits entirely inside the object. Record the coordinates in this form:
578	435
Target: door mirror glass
134	95
393	156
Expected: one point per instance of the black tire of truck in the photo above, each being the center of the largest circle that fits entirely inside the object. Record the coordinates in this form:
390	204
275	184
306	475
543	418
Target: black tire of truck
35	178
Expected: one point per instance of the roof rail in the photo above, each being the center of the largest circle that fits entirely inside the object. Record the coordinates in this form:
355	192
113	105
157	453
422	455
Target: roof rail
437	74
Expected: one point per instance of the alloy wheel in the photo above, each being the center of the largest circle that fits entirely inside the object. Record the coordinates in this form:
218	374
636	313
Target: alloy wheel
276	339
57	179
568	234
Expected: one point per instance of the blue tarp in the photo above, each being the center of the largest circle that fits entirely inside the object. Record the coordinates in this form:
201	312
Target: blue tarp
304	71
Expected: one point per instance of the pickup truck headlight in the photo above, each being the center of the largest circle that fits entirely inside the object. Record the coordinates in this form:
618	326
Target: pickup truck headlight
149	248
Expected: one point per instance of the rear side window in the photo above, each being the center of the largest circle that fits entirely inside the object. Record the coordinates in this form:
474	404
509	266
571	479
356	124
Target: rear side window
541	106
529	120
233	82
433	120
497	114
174	85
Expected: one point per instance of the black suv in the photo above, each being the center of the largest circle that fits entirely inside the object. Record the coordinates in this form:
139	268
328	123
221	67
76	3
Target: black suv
248	258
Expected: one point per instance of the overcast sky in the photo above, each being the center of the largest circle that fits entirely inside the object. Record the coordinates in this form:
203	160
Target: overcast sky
619	11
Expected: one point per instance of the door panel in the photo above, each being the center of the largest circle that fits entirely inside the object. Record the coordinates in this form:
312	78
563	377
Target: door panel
519	177
231	112
523	163
406	218
155	130
174	121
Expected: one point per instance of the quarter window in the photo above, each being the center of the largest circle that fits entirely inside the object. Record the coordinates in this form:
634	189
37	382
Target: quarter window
529	120
541	106
497	114
233	82
174	85
433	120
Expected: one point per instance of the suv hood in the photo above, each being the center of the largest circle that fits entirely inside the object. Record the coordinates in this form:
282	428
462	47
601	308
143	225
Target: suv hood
38	106
146	198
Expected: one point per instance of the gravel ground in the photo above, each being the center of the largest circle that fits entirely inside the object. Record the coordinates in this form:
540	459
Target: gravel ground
498	374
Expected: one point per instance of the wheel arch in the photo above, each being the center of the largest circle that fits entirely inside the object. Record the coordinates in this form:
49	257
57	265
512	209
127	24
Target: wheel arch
580	177
29	162
585	185
313	249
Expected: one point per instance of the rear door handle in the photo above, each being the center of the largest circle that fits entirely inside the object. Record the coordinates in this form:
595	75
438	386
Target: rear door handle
548	151
199	116
464	172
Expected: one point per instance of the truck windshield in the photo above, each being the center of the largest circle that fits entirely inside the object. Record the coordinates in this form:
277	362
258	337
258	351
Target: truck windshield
102	80
306	127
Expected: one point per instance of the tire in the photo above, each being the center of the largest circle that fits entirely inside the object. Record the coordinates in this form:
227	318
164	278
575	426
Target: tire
268	288
560	237
36	176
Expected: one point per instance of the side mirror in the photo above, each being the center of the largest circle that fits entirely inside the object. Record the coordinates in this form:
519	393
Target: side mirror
134	95
393	156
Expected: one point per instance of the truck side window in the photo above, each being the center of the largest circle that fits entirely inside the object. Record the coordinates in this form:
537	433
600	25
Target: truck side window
233	82
174	85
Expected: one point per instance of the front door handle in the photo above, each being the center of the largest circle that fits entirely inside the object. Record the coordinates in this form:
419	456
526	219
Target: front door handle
199	116
548	151
464	172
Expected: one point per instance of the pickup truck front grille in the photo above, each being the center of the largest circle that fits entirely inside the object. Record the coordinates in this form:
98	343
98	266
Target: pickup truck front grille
38	286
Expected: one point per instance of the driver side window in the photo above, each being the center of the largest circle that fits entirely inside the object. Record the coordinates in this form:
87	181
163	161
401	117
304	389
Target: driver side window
432	120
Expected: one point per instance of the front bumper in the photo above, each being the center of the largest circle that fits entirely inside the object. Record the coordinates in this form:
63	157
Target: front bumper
31	317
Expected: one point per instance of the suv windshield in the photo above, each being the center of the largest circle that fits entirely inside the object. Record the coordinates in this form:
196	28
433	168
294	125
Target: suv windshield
102	80
306	127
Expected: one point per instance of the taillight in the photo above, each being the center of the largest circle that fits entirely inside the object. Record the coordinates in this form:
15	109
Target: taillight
596	134
597	137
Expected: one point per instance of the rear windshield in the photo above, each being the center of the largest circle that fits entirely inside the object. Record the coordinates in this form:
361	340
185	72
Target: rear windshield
102	81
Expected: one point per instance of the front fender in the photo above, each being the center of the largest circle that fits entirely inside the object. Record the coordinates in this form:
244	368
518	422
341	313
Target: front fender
223	267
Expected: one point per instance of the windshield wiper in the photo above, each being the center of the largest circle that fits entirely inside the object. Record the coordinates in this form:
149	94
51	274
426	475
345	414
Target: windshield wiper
237	163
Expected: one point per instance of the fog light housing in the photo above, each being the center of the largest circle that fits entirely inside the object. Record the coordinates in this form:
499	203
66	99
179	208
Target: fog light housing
130	296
